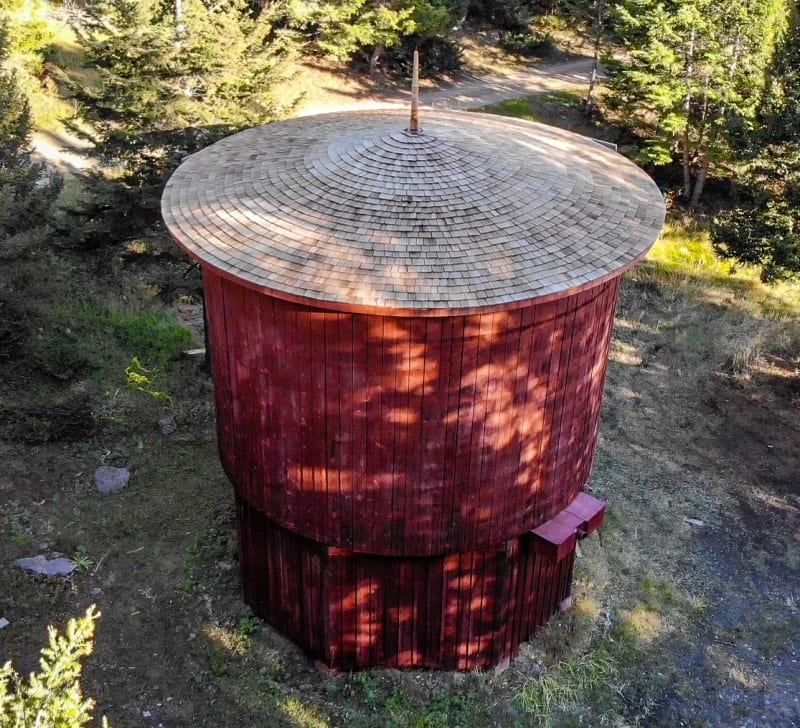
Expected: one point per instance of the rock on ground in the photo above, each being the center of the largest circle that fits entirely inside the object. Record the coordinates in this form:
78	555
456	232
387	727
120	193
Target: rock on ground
108	479
168	425
48	567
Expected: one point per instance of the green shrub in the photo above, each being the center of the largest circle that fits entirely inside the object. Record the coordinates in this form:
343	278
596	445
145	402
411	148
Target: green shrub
529	45
439	56
512	15
53	697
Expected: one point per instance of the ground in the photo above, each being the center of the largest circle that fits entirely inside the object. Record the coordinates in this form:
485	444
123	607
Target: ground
674	622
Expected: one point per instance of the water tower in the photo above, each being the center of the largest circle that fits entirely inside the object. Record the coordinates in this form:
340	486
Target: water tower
409	329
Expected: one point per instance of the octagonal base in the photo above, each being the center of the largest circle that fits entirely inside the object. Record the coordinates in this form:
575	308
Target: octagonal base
353	610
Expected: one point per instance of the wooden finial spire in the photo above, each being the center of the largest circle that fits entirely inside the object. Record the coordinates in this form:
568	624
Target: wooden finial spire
413	127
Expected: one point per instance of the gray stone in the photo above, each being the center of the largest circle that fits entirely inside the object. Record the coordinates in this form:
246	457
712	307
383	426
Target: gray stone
4	623
48	567
168	425
108	479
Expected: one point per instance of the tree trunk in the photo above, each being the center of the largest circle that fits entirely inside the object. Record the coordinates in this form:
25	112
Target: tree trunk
180	26
687	166
700	182
598	36
687	109
374	59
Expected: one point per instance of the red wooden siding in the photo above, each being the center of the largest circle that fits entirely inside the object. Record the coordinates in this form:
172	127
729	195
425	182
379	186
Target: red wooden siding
454	611
407	437
408	488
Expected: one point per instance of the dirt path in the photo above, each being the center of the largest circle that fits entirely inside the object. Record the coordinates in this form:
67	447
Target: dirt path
61	151
65	153
469	92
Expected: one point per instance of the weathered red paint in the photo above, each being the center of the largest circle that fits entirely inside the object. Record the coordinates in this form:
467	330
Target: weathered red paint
407	437
452	611
390	470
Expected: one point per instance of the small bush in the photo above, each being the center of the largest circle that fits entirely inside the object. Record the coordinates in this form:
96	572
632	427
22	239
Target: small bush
145	380
529	45
439	56
52	698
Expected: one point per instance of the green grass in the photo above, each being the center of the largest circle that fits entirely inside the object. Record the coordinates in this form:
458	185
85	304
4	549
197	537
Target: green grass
683	257
443	711
568	683
86	334
556	108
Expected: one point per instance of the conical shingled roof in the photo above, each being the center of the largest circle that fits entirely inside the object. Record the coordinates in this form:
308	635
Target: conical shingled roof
350	211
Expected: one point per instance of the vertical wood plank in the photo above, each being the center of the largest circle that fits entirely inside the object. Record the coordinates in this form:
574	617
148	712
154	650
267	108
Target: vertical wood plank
362	506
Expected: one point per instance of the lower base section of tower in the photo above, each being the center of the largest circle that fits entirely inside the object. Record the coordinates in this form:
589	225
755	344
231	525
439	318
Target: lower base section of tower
456	611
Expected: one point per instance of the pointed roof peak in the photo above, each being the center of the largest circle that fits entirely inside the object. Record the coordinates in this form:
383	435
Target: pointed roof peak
413	126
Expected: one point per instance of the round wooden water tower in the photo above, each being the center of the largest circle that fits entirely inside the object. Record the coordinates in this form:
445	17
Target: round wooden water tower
409	333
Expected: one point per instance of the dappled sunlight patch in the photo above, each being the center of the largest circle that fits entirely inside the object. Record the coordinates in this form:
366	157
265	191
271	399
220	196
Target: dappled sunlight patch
643	624
588	607
303	716
138	246
622	323
776	502
745	677
230	641
733	668
624	353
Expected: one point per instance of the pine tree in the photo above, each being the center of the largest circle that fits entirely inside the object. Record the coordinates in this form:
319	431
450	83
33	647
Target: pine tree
764	228
174	76
52	698
26	190
340	30
694	76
